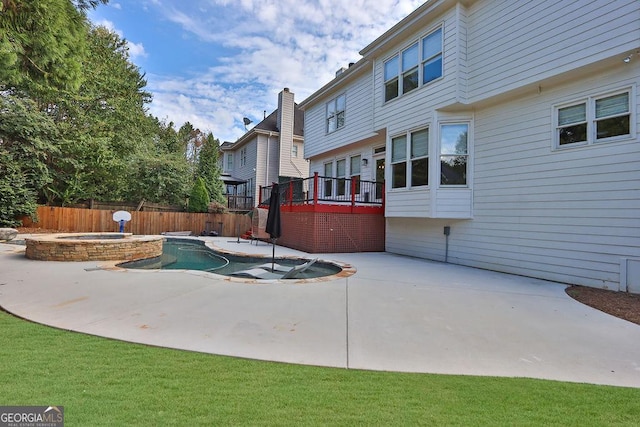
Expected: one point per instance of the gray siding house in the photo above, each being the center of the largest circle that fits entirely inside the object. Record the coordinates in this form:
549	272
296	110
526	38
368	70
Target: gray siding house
271	151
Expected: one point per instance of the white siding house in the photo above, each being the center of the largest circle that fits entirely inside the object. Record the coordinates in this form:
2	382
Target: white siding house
512	125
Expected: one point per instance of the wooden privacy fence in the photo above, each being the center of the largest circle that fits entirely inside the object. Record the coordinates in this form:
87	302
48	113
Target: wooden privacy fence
94	220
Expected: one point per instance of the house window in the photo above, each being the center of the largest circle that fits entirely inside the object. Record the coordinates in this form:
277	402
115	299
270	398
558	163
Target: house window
432	56
294	150
328	181
335	113
229	161
416	65
612	116
410	69
596	119
391	78
341	172
355	172
243	156
249	187
399	162
572	124
419	158
454	154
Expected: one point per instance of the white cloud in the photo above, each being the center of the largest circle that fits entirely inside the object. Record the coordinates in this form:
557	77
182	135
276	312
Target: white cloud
108	25
269	45
136	50
116	6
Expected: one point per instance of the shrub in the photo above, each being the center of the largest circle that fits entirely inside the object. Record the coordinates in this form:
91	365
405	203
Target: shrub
199	199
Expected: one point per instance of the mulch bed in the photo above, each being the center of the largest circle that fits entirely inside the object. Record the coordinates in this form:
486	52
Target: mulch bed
620	304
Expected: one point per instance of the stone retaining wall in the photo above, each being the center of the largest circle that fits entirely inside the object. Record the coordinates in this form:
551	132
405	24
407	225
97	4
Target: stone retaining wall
87	247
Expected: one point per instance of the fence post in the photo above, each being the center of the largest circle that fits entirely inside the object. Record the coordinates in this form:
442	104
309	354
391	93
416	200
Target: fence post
315	188
290	192
353	192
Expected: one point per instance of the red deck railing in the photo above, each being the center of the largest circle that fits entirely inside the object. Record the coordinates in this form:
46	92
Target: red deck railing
327	194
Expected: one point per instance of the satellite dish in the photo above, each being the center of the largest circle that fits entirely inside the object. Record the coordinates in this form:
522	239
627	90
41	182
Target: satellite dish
121	216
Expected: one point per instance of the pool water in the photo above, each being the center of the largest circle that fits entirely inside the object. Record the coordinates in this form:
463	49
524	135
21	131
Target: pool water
194	255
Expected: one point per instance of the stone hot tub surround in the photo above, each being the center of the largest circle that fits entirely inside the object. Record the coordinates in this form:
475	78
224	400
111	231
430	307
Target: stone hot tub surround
92	247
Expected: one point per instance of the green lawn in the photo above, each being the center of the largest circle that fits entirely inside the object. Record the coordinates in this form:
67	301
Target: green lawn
105	382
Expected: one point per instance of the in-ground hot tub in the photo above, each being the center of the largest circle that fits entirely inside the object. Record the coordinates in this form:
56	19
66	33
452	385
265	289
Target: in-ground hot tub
92	247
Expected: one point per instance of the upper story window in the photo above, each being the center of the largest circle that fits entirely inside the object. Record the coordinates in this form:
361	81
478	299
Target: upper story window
294	150
243	156
335	113
391	78
402	72
410	68
454	154
229	161
432	56
595	119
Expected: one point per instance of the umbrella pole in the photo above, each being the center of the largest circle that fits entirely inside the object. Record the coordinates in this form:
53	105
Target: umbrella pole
273	253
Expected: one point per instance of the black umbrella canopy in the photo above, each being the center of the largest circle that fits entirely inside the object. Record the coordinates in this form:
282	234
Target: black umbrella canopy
274	227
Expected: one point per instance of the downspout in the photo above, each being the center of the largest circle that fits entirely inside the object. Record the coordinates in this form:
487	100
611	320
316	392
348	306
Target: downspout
447	231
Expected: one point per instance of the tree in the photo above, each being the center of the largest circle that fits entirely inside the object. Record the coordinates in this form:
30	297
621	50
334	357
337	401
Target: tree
86	132
84	5
104	123
209	169
199	199
43	44
26	143
16	198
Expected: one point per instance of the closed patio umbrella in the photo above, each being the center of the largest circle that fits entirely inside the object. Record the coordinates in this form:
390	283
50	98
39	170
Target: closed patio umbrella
274	226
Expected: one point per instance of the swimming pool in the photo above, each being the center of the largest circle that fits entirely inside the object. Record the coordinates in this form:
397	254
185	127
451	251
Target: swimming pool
180	254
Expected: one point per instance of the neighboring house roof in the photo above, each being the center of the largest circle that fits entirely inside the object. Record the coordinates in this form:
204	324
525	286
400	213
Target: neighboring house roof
269	124
231	180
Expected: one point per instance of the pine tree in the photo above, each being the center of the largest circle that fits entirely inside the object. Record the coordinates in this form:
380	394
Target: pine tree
209	170
199	200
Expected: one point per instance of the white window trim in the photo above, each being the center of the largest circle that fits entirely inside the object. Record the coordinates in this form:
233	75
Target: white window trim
243	156
334	101
591	120
229	161
438	155
398	54
408	159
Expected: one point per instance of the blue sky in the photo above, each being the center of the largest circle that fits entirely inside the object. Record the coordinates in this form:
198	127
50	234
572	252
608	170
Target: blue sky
213	62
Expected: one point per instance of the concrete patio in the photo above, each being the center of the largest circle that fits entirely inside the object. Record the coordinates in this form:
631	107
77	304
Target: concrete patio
395	313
